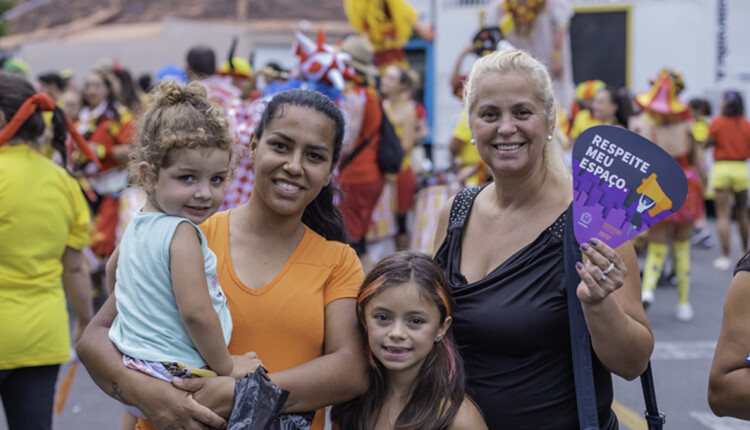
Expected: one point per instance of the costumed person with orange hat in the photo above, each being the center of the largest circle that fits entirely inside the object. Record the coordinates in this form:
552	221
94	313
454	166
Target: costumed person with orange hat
539	27
667	123
44	228
729	133
388	25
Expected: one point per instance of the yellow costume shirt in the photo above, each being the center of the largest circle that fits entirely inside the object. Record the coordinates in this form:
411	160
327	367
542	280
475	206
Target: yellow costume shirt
42	210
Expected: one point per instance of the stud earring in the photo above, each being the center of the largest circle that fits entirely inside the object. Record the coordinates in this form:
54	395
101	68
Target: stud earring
549	138
437	339
473	142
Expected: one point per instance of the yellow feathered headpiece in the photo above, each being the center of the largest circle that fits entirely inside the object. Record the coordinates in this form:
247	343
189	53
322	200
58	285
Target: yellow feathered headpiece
369	17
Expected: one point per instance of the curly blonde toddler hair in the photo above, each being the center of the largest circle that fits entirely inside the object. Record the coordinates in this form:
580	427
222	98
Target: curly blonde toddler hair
177	117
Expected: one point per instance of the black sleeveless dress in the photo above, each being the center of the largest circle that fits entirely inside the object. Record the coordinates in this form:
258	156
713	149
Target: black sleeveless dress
512	330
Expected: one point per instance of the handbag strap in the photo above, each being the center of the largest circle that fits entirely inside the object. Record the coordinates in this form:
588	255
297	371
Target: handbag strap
654	419
580	342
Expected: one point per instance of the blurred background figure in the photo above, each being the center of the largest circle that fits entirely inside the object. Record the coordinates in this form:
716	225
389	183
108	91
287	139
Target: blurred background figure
396	86
172	72
14	65
72	102
360	177
667	123
107	126
700	111
201	67
388	25
540	28
52	84
580	111
729	133
240	72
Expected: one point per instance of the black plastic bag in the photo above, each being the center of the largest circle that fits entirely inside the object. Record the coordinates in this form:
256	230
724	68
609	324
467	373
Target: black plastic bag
257	403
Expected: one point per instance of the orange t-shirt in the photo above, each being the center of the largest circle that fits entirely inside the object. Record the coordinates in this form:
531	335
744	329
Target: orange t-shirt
364	166
731	137
284	321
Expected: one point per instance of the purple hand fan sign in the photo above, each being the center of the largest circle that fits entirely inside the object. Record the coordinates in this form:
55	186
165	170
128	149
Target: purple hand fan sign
622	185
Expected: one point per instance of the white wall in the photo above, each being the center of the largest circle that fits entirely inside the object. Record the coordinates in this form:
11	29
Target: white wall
454	28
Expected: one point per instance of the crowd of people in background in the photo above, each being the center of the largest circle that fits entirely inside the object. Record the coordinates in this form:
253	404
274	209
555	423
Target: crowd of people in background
291	164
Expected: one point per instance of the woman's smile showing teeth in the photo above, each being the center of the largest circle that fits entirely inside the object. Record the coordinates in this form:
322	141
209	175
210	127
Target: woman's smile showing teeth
288	186
507	147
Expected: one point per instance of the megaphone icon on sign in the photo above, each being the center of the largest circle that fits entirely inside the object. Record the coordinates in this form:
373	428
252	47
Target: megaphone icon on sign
652	197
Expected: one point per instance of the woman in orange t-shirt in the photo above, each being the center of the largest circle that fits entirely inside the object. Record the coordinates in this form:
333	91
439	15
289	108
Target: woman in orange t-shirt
730	135
290	280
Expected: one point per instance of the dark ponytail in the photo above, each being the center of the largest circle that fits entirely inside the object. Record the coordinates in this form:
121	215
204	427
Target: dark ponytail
321	215
324	217
59	134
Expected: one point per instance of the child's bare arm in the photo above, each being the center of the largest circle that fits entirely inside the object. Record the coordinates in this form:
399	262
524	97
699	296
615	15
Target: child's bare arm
468	417
111	270
193	299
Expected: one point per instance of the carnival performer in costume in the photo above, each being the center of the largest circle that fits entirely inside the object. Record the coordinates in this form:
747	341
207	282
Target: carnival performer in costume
581	116
700	111
388	25
360	177
243	114
401	110
44	228
667	123
539	27
108	127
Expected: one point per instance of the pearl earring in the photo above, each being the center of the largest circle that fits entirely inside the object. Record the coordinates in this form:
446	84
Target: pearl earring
549	138
473	142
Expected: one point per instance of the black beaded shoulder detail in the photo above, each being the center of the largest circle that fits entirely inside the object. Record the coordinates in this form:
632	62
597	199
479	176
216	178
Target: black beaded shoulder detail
557	229
743	264
462	205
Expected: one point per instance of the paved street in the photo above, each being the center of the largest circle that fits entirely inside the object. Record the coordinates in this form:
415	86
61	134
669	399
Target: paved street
681	361
683	352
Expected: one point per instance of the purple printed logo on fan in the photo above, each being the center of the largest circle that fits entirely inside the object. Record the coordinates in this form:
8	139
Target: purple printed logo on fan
622	185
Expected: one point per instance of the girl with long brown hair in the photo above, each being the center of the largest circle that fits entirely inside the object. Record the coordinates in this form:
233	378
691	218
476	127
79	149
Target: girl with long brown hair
416	373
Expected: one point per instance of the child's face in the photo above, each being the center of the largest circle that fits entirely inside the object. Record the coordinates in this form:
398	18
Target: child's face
192	186
402	327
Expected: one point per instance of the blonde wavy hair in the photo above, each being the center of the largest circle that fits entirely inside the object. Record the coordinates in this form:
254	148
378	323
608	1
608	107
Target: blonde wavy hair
511	60
177	117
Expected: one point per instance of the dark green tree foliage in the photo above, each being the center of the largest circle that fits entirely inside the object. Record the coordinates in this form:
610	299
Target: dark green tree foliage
5	5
